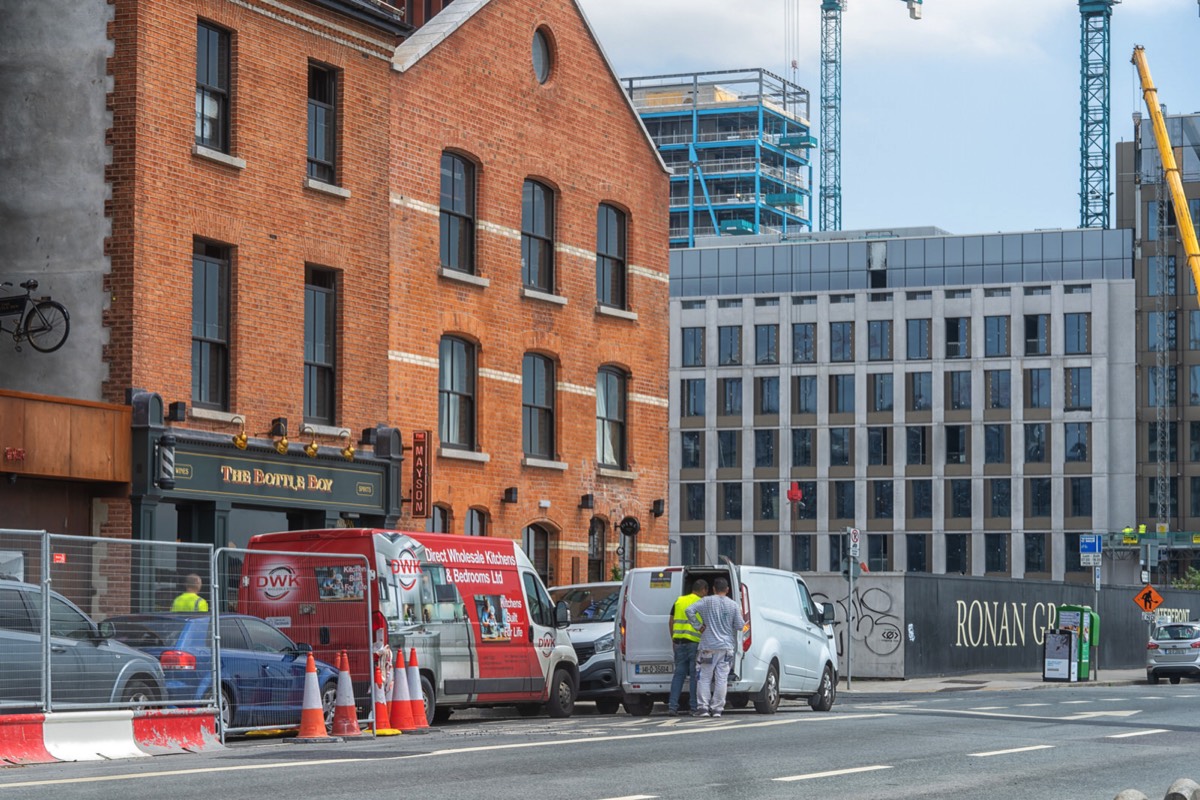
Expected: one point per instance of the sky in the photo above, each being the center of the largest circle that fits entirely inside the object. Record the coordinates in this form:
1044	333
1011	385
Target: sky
967	119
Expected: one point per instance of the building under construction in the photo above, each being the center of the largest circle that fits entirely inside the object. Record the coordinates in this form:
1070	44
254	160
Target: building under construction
738	142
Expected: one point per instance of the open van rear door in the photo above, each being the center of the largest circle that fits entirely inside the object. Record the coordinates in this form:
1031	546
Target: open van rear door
740	595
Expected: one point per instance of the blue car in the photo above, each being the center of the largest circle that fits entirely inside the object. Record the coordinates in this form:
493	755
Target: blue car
262	670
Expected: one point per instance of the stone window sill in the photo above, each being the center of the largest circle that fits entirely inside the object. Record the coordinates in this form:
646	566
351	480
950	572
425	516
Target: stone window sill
609	472
618	313
543	463
218	156
326	188
464	455
463	277
546	297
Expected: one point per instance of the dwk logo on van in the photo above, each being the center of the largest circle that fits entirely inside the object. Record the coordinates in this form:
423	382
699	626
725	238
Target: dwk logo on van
276	582
546	643
406	568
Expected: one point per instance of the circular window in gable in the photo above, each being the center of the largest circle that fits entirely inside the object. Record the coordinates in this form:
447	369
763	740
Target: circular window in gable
542	56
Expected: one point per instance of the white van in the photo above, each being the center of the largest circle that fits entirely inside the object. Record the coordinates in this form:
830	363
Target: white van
787	647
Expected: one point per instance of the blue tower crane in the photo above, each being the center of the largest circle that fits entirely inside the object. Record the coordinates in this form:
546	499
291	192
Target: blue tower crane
831	108
1094	93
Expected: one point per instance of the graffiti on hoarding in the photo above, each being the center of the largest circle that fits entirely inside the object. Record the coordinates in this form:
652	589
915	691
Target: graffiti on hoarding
875	626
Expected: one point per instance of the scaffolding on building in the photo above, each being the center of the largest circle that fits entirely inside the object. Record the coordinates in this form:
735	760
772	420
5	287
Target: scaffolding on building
738	143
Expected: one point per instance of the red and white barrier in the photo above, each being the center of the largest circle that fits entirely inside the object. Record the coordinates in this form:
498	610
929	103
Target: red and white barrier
104	735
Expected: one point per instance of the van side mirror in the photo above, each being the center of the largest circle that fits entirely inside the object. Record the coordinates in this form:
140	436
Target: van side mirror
562	614
827	613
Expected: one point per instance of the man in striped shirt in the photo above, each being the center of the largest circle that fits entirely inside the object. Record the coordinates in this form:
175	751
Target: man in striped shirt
719	620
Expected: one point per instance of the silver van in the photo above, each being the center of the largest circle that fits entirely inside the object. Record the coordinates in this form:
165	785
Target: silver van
787	647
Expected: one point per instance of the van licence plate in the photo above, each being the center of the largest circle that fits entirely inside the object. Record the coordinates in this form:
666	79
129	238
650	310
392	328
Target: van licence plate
653	669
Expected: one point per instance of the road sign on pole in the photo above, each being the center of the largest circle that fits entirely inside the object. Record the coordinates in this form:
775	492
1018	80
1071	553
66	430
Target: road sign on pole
855	541
1148	598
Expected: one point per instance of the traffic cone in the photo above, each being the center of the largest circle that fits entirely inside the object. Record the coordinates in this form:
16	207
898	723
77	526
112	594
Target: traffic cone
383	726
415	696
400	711
312	715
345	715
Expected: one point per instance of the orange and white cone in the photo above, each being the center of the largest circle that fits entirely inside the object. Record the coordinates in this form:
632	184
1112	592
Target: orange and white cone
383	726
400	710
345	715
415	696
312	714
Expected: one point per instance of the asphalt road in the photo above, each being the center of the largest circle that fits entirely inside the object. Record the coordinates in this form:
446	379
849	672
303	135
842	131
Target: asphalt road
1065	742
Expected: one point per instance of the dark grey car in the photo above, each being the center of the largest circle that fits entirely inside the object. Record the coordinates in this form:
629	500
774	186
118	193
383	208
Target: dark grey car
87	668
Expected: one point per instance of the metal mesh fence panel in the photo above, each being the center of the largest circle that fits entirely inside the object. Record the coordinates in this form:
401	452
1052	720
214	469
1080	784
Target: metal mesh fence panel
275	608
80	619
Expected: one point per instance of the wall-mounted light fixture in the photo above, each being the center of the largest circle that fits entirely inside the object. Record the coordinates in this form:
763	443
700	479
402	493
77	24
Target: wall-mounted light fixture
369	437
278	432
657	508
348	450
312	448
510	495
587	500
240	440
177	411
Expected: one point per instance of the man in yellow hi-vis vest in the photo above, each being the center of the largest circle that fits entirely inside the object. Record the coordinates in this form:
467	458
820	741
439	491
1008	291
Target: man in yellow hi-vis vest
684	641
190	600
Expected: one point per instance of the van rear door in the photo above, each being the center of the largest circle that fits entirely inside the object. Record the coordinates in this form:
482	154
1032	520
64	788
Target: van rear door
738	593
648	598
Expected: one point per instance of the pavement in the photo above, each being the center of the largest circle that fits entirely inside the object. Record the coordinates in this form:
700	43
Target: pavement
990	681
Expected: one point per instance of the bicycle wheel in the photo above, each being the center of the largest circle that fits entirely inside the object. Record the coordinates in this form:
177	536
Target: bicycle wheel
47	325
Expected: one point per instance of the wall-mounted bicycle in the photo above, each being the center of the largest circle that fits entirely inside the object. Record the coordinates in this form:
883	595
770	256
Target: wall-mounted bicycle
43	322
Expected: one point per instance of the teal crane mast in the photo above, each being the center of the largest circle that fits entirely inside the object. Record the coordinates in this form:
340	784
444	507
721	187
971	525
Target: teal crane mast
831	108
1094	95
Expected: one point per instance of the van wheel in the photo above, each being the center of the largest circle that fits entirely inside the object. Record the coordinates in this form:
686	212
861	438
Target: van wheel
441	714
738	700
823	699
607	705
562	695
767	699
638	705
430	700
529	709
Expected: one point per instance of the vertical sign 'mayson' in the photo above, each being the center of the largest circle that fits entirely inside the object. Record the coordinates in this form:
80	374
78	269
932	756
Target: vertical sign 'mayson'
420	474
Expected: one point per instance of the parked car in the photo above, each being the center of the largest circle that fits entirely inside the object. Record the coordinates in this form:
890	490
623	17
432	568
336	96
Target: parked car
87	666
593	614
262	670
1173	652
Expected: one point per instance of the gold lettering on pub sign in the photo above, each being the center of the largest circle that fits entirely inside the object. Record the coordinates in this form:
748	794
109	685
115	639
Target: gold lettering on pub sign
983	623
277	480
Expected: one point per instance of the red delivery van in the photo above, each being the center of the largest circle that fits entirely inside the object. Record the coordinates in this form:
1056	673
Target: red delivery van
483	625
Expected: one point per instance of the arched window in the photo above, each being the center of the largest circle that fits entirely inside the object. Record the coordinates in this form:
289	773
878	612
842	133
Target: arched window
537	236
458	213
596	530
610	257
537	543
537	406
476	523
456	393
610	417
439	520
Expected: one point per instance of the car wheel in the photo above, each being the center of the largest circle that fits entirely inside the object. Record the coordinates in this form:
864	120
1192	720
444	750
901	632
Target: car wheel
638	705
607	705
823	699
329	701
1174	680
139	693
226	709
562	695
429	699
1151	678
767	700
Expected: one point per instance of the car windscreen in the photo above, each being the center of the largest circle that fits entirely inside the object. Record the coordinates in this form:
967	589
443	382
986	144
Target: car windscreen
589	603
148	631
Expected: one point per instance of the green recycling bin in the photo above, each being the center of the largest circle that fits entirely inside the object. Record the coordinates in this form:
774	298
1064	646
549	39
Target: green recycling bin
1086	624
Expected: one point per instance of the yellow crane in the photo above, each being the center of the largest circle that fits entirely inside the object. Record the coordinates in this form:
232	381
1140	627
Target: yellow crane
1183	216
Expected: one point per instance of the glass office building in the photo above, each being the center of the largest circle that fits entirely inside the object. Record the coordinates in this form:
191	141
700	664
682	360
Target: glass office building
966	401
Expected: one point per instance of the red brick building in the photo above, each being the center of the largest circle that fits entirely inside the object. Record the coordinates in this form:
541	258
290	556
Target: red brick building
289	279
529	285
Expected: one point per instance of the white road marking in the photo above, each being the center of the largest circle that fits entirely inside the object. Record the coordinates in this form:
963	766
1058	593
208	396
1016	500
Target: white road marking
1112	699
1013	750
989	708
1075	702
1094	714
1031	705
677	731
832	773
1137	733
634	797
1025	717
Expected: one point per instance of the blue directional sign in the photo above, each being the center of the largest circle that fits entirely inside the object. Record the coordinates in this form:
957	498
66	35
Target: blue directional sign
1090	543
